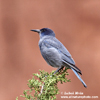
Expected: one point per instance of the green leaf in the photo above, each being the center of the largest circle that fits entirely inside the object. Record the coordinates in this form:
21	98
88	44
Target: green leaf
43	86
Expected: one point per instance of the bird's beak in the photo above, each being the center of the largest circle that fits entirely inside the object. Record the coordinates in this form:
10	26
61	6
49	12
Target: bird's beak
36	30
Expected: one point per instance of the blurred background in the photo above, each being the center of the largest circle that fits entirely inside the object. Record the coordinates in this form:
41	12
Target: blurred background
76	24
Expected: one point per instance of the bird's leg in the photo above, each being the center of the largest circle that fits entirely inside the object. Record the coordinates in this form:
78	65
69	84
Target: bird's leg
61	68
58	69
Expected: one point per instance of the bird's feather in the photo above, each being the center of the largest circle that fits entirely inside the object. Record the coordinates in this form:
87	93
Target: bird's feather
52	42
78	76
55	53
66	56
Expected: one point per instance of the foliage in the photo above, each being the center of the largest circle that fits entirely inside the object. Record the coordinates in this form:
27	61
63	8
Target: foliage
43	86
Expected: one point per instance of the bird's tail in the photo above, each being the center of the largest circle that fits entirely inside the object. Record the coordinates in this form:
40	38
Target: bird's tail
72	67
79	77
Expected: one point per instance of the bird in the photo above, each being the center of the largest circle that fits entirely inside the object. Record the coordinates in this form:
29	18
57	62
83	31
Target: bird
55	53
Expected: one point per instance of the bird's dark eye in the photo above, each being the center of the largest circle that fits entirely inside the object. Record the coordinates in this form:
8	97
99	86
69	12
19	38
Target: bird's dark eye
43	30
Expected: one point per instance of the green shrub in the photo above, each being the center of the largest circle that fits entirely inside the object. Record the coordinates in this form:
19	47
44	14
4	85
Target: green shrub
43	86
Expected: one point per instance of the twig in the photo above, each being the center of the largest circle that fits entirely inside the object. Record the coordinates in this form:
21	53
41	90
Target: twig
42	88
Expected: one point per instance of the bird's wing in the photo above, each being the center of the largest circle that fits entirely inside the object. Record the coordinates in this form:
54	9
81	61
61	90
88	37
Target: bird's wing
55	43
52	42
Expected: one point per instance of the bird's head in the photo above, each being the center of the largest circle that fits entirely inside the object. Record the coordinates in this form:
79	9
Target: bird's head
44	32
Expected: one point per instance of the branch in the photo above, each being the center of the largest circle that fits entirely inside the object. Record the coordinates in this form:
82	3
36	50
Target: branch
45	85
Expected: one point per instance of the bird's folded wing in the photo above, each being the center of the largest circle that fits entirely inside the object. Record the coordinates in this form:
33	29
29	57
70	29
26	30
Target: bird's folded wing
54	43
66	56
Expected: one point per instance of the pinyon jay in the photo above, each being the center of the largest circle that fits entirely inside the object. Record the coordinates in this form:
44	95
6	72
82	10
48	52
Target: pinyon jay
55	53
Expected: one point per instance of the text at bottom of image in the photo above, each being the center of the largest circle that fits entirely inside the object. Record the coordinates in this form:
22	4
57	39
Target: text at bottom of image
76	95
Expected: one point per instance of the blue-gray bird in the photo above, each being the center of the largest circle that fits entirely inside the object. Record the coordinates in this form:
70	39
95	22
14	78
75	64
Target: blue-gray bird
55	53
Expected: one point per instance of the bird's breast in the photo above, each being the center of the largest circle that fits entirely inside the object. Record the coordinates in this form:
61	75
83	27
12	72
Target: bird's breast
51	56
